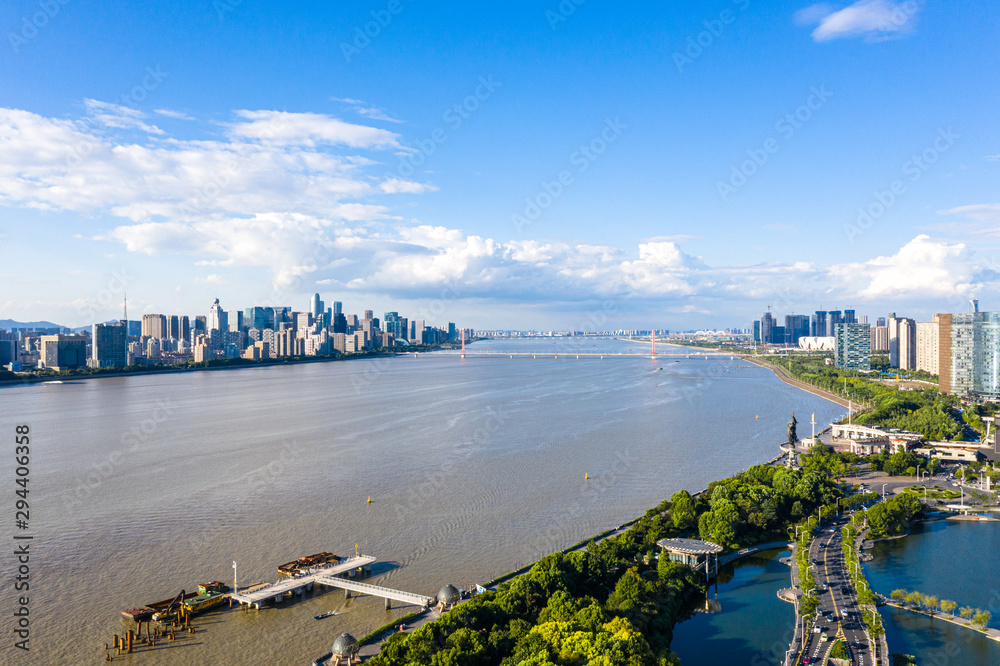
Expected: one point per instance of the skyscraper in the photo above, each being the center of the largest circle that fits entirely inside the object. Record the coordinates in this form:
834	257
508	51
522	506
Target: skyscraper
109	348
218	320
767	328
853	346
338	308
819	324
969	354
154	326
902	342
316	306
927	346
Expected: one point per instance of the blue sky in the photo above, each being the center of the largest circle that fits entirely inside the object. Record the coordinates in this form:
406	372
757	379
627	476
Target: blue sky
679	165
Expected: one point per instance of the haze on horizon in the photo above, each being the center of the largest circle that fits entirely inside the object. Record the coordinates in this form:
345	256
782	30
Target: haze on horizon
527	165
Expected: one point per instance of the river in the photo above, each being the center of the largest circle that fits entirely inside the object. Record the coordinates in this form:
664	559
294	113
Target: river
144	485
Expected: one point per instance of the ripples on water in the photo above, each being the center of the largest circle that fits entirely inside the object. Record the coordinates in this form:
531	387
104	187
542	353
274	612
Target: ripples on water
147	484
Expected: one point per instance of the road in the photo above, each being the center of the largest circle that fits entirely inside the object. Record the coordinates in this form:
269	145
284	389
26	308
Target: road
836	599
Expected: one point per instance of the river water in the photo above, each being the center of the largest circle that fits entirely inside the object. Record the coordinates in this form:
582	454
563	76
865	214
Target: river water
949	560
144	485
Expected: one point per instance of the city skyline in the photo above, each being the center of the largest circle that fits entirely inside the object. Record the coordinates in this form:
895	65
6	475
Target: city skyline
686	165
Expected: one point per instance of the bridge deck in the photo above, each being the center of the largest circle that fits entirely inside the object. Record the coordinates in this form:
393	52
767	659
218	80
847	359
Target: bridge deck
376	590
290	584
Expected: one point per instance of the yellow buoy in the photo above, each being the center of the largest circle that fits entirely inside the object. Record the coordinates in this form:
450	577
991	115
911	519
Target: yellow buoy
756	418
369	499
586	477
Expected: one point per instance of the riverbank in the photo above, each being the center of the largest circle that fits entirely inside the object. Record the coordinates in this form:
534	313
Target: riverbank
990	633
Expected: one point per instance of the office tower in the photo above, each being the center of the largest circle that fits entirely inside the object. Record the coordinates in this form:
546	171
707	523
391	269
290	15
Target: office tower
8	347
880	321
173	327
392	324
109	346
339	323
185	328
819	324
756	331
453	330
767	328
63	352
258	317
969	354
154	326
218	320
303	323
200	326
338	308
850	318
863	319
236	321
315	306
417	331
927	346
777	335
853	346
369	314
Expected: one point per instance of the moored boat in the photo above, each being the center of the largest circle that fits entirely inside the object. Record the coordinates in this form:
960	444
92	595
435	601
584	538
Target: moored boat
302	564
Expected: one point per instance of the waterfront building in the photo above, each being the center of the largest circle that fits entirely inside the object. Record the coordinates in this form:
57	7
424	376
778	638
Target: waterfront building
109	348
315	306
766	328
218	319
417	332
63	352
154	326
853	346
969	355
927	346
818	344
695	553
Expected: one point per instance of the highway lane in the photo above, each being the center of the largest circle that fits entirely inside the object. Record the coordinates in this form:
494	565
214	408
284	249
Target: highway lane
839	612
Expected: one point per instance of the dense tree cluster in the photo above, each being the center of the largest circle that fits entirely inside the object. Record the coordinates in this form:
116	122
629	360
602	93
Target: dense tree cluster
891	518
759	504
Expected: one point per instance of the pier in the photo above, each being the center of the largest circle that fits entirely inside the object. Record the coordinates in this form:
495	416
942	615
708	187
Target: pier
386	593
303	583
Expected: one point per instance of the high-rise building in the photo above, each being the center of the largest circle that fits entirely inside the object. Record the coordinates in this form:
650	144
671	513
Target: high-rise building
767	328
756	331
218	320
108	346
338	308
63	352
154	326
927	346
833	317
902	342
819	324
853	346
417	332
880	321
316	306
392	324
850	318
796	326
969	354
880	338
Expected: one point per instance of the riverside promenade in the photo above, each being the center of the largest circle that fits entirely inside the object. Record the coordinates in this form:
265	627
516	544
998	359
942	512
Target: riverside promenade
988	632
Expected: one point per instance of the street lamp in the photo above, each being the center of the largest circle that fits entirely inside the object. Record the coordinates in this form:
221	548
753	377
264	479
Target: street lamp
883	491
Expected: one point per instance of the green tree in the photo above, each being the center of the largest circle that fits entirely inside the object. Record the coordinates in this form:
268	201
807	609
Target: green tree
966	612
682	510
948	606
981	619
898	595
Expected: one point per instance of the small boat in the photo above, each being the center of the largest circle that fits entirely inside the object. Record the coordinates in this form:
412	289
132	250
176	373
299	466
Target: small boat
140	614
293	568
325	615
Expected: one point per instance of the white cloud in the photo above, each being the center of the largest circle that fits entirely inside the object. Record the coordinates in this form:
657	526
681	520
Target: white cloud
979	212
118	117
400	186
308	129
923	268
367	110
874	20
170	113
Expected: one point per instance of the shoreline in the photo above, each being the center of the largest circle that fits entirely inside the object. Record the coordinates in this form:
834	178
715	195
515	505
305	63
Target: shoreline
166	370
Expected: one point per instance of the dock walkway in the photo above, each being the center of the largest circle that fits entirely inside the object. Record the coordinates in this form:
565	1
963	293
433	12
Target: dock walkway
386	593
291	585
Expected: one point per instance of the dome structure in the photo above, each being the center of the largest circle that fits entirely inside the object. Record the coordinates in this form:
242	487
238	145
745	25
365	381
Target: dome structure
345	646
449	594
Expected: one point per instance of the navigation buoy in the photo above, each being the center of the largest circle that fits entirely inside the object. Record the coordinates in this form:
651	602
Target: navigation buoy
369	499
586	477
756	418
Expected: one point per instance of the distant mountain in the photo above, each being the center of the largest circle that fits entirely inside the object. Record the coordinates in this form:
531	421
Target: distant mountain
10	323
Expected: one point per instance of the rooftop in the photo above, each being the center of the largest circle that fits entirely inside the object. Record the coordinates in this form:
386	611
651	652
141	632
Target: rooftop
690	546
